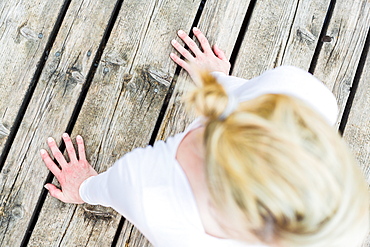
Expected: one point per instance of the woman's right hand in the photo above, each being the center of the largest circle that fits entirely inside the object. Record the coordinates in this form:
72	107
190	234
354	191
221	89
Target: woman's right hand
208	59
70	174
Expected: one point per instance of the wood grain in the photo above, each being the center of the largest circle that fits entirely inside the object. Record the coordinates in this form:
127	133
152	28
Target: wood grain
48	114
283	32
357	128
338	59
130	236
120	110
25	27
220	22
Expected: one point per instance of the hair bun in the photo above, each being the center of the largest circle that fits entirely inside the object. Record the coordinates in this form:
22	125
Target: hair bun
210	99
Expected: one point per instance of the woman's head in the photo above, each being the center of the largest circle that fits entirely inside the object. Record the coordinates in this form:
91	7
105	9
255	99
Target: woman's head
276	169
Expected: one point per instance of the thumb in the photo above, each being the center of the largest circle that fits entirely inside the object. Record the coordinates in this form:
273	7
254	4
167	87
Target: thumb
219	53
55	192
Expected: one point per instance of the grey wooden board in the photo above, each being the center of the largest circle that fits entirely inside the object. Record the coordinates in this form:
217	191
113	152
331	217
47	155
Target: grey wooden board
357	131
25	27
57	91
130	236
283	32
220	22
338	59
120	110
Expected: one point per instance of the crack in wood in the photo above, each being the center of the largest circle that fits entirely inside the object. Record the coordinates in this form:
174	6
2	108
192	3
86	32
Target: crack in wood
128	241
290	31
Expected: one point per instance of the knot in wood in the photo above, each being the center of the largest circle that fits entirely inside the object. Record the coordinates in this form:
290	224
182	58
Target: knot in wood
3	131
28	33
306	36
127	77
159	76
2	213
17	211
115	58
79	78
97	212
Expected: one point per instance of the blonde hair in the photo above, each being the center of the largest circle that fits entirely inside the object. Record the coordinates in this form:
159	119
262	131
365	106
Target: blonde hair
277	170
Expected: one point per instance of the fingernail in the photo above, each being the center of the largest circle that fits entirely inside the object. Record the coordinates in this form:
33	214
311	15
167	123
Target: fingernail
42	151
46	186
65	135
195	29
180	32
173	42
50	139
79	137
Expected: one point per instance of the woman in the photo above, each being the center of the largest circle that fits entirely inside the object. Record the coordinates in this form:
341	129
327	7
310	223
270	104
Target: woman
262	166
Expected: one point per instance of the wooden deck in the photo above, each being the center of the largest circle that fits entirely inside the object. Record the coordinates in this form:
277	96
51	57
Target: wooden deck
101	69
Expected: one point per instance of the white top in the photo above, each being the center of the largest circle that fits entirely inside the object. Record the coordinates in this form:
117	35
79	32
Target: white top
150	189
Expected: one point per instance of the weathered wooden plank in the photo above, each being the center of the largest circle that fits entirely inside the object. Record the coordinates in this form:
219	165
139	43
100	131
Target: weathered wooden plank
357	131
280	32
120	110
25	27
338	59
130	236
220	22
49	112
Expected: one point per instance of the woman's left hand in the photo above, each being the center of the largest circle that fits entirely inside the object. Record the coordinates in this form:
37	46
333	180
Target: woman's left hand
72	174
212	59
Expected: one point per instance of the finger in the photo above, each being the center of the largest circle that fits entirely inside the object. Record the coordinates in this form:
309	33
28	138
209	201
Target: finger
202	40
180	62
81	148
182	50
56	152
55	192
70	148
50	163
190	43
220	53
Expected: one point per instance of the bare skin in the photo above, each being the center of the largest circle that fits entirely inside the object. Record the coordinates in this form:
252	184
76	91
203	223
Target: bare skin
190	153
